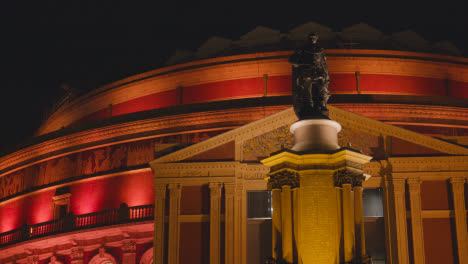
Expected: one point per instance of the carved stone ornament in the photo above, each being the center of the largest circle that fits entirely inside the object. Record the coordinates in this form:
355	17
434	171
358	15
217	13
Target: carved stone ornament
283	177
345	176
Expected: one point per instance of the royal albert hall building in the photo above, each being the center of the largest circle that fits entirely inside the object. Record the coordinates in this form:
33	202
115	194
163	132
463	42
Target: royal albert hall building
164	166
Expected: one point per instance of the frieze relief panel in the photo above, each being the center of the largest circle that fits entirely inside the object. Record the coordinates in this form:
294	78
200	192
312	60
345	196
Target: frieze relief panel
99	160
262	146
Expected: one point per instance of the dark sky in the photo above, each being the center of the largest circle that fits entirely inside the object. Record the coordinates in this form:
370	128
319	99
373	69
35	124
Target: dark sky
46	44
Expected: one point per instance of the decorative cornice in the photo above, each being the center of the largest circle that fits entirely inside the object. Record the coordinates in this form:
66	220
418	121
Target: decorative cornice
349	119
194	169
429	164
128	129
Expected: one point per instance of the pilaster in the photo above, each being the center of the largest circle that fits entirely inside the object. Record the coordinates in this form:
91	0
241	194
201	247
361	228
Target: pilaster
276	223
348	223
414	187
400	220
359	222
215	225
159	223
458	189
129	252
229	222
174	224
286	224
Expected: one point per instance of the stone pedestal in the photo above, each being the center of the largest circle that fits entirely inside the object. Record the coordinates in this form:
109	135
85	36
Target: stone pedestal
322	177
315	135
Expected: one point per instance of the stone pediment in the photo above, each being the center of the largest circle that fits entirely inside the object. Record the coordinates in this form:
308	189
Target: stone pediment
258	139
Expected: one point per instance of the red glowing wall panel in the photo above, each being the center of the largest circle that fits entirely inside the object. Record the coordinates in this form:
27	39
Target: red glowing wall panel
439	240
459	89
152	101
194	243
32	209
279	85
342	82
109	193
249	87
435	195
402	84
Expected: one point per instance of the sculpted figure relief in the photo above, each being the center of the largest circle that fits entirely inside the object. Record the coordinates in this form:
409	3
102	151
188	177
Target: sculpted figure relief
310	80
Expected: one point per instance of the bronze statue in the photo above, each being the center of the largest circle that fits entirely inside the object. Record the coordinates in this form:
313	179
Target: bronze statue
310	80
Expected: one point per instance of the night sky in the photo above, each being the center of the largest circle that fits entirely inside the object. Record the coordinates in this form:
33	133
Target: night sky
48	44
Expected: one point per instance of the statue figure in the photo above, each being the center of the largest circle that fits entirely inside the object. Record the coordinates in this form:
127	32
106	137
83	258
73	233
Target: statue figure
310	80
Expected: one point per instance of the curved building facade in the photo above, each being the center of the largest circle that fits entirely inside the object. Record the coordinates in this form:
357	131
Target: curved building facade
82	191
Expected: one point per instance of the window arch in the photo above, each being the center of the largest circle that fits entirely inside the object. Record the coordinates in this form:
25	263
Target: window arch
147	257
102	258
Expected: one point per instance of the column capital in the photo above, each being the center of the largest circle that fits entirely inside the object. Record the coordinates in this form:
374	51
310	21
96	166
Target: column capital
160	190
398	185
215	188
229	189
414	181
172	186
455	180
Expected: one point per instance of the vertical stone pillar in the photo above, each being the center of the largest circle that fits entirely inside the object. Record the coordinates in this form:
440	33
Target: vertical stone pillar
238	222
286	224
348	223
458	189
76	255
359	222
215	222
174	224
296	223
414	187
159	222
276	224
229	223
400	221
129	252
339	224
386	193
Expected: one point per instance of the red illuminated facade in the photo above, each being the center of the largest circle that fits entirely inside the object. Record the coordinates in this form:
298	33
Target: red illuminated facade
83	191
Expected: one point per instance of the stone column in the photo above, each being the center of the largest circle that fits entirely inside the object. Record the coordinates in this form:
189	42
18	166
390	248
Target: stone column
400	220
359	222
458	189
159	222
348	223
414	187
76	255
129	252
174	224
286	224
388	226
276	224
215	222
229	223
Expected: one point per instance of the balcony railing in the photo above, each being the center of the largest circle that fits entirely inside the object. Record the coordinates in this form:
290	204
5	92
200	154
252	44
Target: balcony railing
72	222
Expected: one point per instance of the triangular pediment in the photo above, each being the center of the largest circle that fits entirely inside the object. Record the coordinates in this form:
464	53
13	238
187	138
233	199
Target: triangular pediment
262	137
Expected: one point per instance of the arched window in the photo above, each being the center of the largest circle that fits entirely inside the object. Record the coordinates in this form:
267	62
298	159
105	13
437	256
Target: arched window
102	258
147	257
